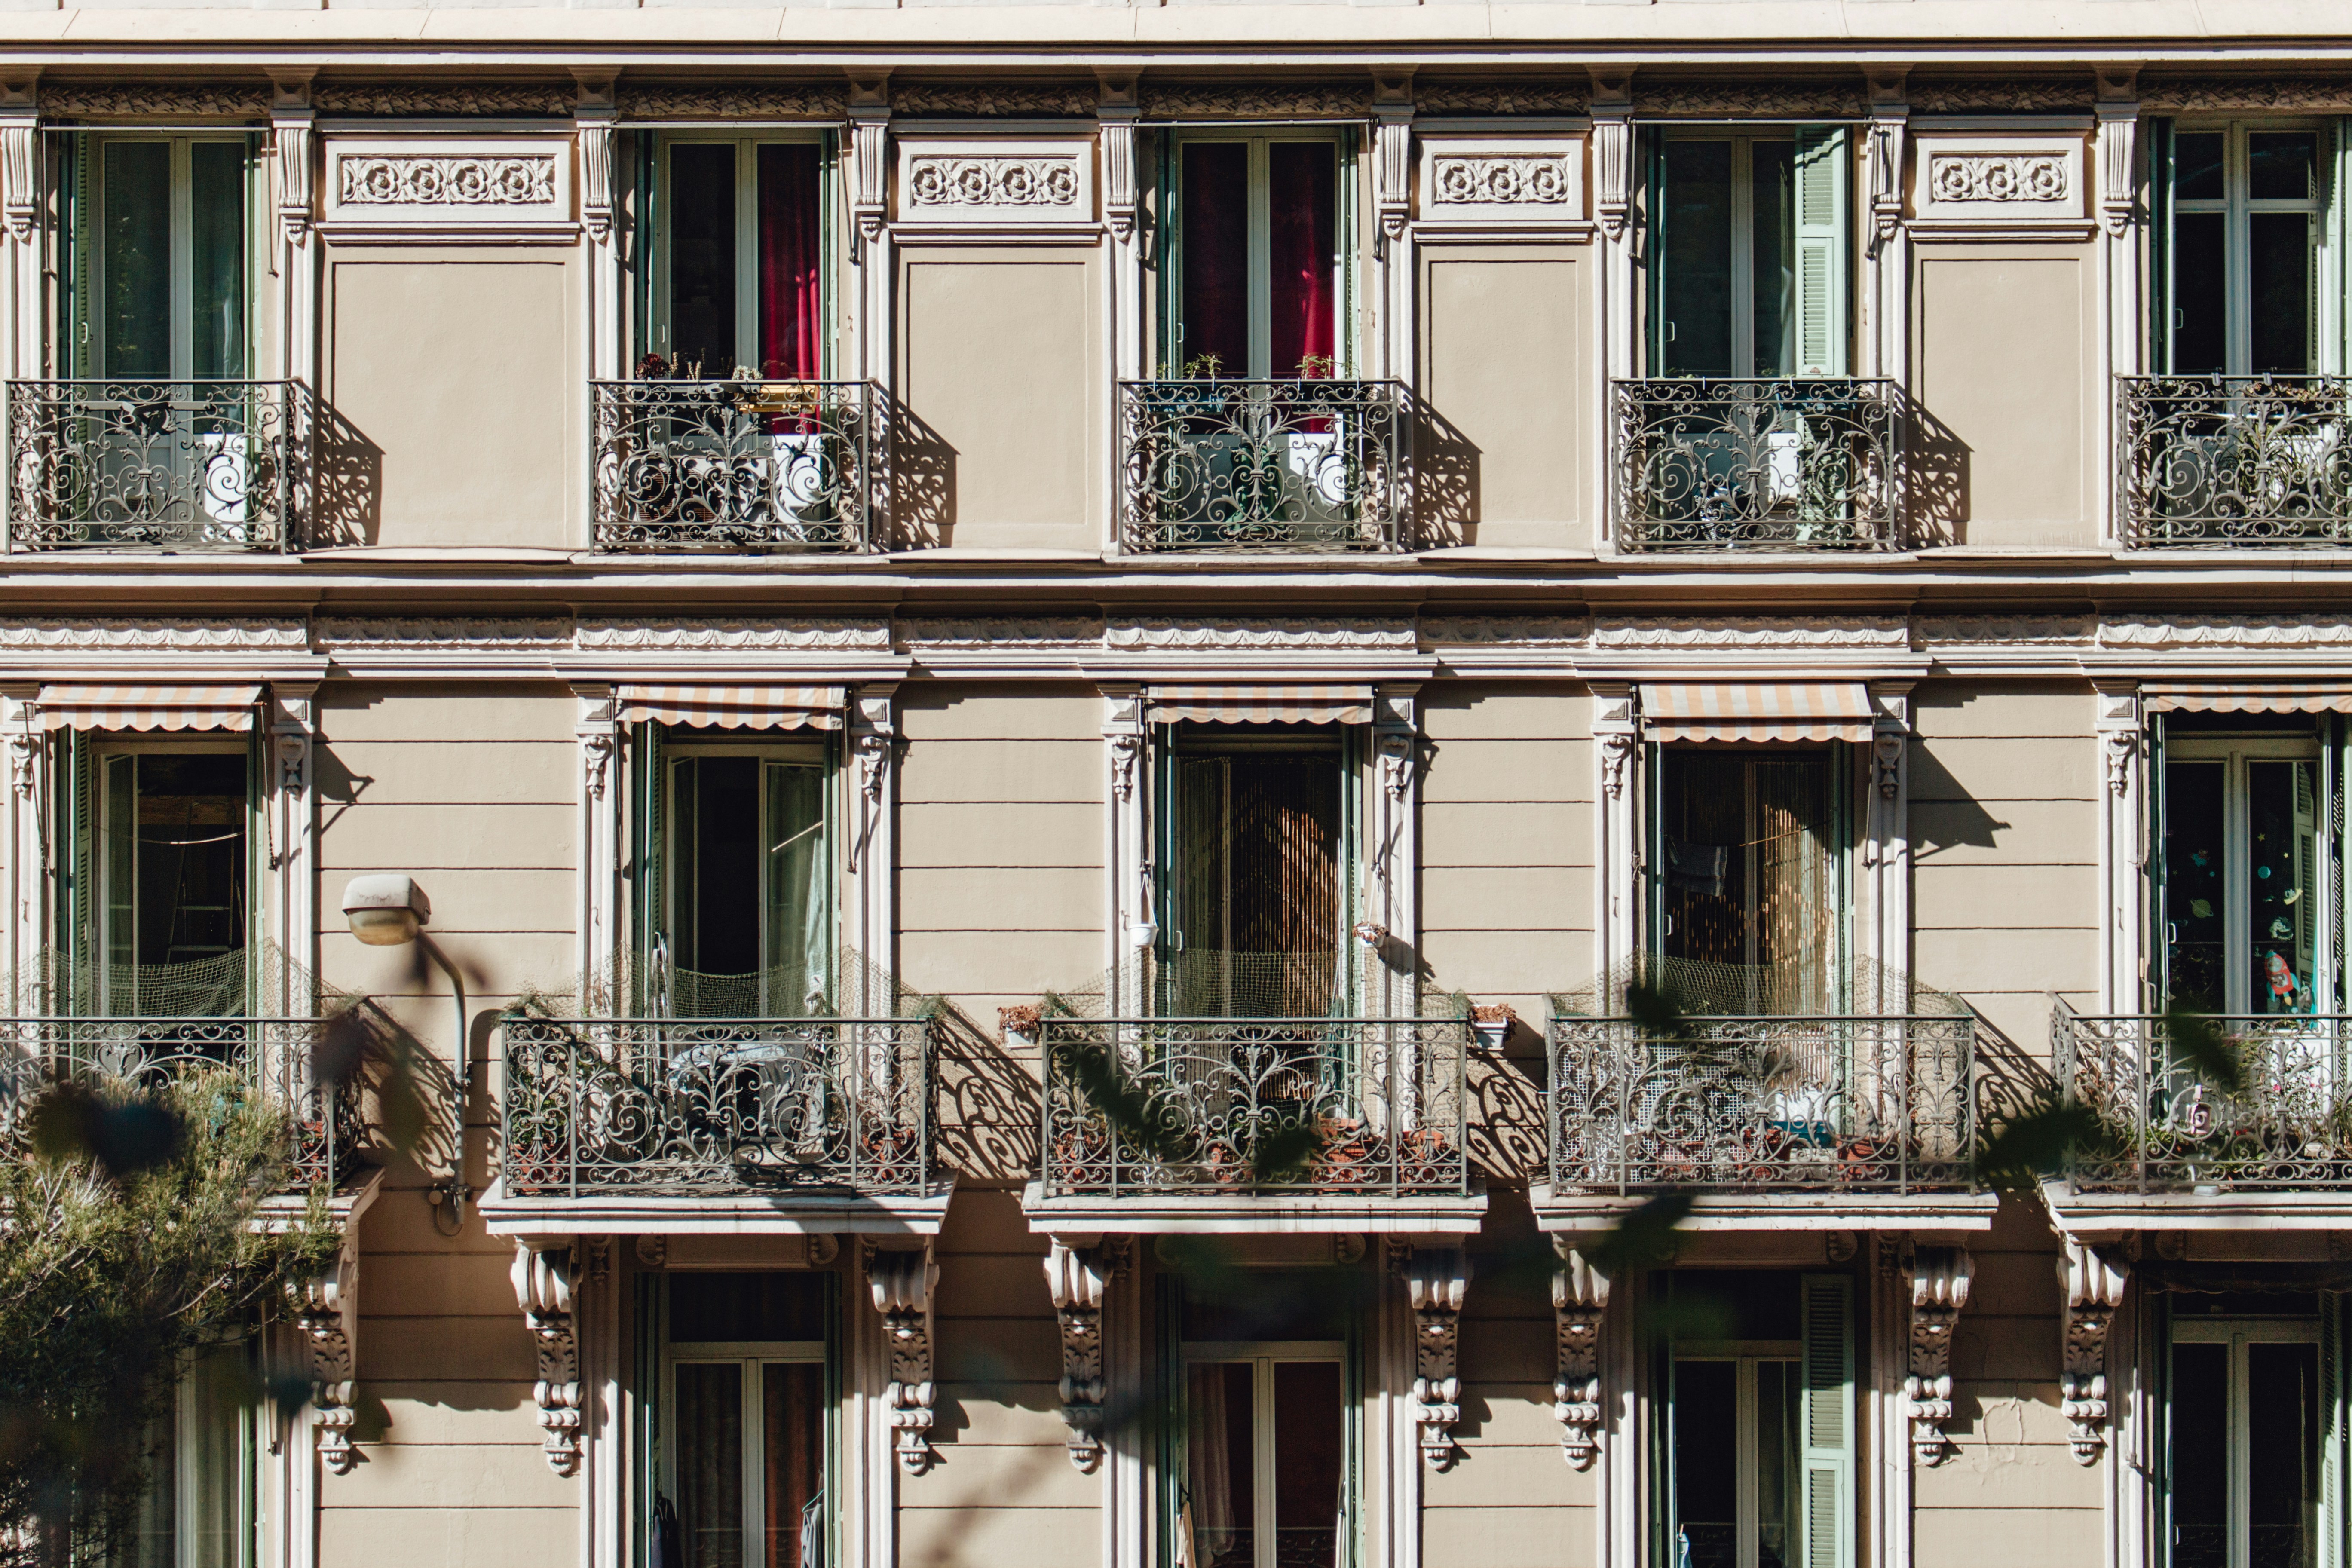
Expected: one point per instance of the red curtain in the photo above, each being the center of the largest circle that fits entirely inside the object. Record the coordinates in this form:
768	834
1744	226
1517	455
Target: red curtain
1216	256
1303	190
791	316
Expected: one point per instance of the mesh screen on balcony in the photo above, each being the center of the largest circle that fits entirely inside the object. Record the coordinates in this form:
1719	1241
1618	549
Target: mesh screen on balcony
248	981
1703	989
850	987
1209	984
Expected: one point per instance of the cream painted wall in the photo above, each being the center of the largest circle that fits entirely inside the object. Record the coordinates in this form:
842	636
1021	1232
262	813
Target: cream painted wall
1503	457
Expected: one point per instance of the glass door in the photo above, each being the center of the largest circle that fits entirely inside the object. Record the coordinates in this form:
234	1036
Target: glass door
2248	1420
746	1428
2244	878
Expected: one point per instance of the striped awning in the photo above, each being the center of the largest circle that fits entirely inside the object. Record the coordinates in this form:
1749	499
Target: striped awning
148	707
1260	705
1731	710
2246	697
734	707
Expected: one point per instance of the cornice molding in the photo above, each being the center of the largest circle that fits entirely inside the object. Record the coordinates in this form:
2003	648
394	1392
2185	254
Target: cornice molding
1500	98
476	99
1252	100
1366	636
1743	632
75	101
408	634
1001	99
2223	632
170	634
2023	96
1738	99
687	634
2199	95
733	101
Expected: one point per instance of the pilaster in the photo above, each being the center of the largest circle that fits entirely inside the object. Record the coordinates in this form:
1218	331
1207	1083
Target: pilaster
21	218
1617	788
597	732
2122	847
1886	849
605	287
1126	861
1392	290
1885	255
294	873
1616	299
293	145
2122	279
1393	818
27	854
873	858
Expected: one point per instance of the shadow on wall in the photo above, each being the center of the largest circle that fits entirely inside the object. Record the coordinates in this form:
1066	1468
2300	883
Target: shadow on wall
991	1105
1445	480
1937	478
1943	814
335	785
345	496
1506	1130
918	476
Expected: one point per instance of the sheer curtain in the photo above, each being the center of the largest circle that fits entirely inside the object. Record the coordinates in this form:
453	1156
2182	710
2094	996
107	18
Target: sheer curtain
1215	1396
711	1463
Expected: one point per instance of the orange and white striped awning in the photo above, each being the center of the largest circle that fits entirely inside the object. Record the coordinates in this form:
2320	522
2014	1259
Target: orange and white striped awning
148	707
1260	705
734	707
1733	711
2246	697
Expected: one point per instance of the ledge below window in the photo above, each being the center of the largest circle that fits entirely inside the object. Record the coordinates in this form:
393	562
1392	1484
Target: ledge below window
1227	1213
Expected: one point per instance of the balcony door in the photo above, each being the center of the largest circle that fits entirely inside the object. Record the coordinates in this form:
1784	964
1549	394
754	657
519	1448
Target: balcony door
161	257
741	259
749	906
2254	1414
2240	246
1256	257
1748	262
197	1510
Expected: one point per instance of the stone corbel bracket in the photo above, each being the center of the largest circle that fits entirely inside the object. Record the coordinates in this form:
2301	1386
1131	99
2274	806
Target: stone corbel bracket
543	1284
1939	1277
1579	1298
1077	1275
2092	1281
1435	1280
326	1310
903	1283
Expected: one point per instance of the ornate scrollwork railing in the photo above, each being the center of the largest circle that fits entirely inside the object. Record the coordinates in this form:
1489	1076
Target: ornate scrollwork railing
2169	1129
279	1059
1756	465
734	465
2227	461
716	1105
1840	1103
1261	465
154	465
1254	1105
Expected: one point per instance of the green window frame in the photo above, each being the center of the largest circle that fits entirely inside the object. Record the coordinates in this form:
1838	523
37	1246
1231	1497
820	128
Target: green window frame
199	1511
166	239
658	245
1175	356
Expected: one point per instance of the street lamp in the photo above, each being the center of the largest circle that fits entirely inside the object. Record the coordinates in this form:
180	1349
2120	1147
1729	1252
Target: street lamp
390	909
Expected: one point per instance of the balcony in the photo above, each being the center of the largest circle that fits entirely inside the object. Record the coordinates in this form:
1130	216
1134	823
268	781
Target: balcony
2171	1131
1756	465
2227	462
734	466
155	465
274	1057
1256	1108
776	1109
1749	1107
1303	466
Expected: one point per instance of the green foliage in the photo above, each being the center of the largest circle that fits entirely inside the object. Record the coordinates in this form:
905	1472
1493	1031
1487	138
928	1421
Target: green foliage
131	1248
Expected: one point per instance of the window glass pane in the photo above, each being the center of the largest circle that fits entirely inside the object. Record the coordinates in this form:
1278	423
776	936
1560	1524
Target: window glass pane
1214	235
718	923
711	1464
1284	877
121	856
175	883
2199	166
1695	254
216	289
791	1454
2194	904
1749	872
702	257
2278	249
746	1309
1309	1499
2282	880
2282	1402
2201	1459
1302	206
212	1463
1778	1462
135	260
800	915
1220	1503
1793	878
1707	1464
791	316
1736	1304
2200	300
1773	186
2283	166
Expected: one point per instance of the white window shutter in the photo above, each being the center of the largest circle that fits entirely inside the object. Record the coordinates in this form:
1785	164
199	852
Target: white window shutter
1824	207
1829	1418
2333	1415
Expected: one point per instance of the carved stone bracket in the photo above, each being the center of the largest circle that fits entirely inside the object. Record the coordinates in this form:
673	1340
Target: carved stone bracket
903	1282
2118	724
1615	729
1939	1279
326	1314
2093	1281
1077	1276
290	117
542	1287
1436	1279
1392	158
869	133
1890	117
1613	152
1579	1298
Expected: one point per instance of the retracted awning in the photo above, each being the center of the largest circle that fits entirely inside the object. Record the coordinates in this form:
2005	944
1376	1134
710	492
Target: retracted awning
148	707
734	707
1729	711
1260	705
2246	697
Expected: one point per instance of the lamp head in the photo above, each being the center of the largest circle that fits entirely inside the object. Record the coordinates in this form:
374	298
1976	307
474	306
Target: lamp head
386	910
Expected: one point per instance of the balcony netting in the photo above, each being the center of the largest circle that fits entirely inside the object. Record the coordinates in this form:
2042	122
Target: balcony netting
1805	986
1357	981
850	985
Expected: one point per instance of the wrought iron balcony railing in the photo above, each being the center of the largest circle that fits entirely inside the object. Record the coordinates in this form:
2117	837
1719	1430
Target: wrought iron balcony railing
708	1106
2217	461
1232	1105
155	465
279	1058
1841	1103
734	465
1756	465
2168	1129
1298	466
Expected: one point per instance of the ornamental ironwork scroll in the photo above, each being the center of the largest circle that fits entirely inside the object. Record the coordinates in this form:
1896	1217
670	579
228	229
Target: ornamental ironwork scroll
2235	461
154	465
1778	465
1220	465
733	466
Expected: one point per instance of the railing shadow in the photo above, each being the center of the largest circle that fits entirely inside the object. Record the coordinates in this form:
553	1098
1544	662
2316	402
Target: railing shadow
989	1103
338	479
1937	478
1508	1135
1446	472
2011	1080
915	480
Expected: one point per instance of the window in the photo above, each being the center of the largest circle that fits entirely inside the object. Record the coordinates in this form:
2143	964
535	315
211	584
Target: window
740	262
1759	1368
748	907
2244	227
2244	882
198	1510
2255	1419
1256	259
747	1427
163	234
1263	1450
1749	873
1747	271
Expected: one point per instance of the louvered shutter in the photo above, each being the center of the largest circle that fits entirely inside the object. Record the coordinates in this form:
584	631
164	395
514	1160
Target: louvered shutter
2331	273
1827	1526
2332	1430
651	889
1823	182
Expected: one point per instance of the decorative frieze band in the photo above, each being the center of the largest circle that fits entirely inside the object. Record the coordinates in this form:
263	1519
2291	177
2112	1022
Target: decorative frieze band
434	101
154	100
993	181
1009	100
742	101
1997	178
1498	97
1508	181
435	181
1245	101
